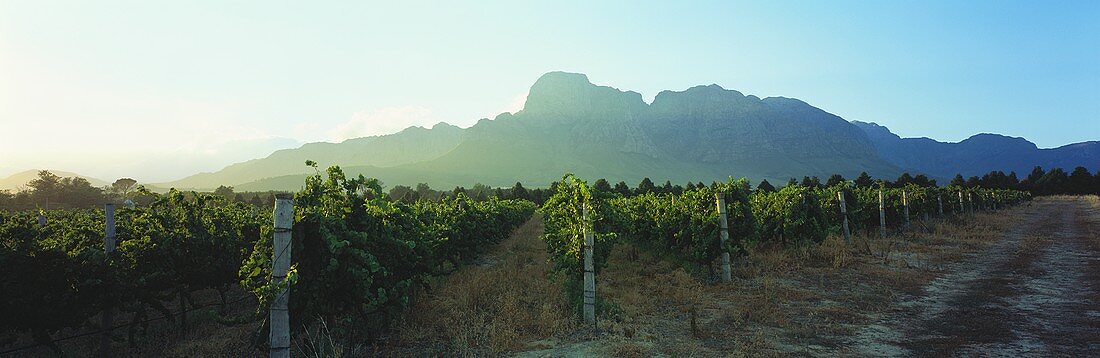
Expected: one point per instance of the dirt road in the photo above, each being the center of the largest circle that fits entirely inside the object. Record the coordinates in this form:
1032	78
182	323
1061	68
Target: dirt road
1034	293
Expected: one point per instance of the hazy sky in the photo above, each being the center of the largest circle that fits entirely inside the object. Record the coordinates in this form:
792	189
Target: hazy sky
158	90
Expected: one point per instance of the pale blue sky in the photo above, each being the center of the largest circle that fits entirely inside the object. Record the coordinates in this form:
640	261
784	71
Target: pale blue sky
109	87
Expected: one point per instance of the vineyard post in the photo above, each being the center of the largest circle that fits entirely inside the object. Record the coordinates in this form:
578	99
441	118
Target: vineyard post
724	232
905	206
881	214
962	208
108	311
939	204
41	220
844	214
993	201
969	202
279	339
589	271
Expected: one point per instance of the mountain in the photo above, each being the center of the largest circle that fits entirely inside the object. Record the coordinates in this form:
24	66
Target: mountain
18	180
568	124
978	154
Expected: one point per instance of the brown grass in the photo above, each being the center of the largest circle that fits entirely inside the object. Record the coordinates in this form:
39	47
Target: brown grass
491	308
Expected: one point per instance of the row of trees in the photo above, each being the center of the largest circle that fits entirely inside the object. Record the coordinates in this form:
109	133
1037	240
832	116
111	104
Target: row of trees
49	191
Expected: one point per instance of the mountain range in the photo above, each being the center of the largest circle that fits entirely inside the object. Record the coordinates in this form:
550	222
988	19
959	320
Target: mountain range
703	133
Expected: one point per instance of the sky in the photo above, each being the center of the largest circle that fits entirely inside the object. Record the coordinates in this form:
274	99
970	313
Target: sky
159	90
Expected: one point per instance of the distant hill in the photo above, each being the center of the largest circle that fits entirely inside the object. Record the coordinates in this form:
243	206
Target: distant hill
570	125
18	180
978	154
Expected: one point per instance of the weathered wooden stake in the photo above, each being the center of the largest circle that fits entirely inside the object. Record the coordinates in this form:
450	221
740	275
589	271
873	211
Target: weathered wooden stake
724	235
280	316
939	204
962	207
589	272
108	311
905	206
970	201
41	220
844	214
881	214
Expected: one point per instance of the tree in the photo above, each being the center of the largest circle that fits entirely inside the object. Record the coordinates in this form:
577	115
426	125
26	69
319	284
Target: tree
622	188
923	181
690	186
402	193
425	192
765	187
791	182
480	192
1032	179
834	180
224	191
667	187
864	180
646	186
602	185
904	180
811	182
1054	182
1080	181
958	180
123	186
519	192
77	192
973	182
45	187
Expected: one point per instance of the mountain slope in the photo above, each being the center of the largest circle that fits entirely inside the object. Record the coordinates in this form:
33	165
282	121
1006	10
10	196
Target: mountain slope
570	125
978	154
703	133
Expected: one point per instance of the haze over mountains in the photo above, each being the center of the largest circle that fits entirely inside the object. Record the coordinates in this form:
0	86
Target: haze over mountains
703	133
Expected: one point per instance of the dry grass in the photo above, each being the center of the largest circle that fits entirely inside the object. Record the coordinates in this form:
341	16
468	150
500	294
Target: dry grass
492	308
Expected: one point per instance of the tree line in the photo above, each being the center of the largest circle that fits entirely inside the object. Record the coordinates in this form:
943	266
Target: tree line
48	191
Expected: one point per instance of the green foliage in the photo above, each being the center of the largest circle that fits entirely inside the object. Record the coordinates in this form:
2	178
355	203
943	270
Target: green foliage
791	214
360	256
59	275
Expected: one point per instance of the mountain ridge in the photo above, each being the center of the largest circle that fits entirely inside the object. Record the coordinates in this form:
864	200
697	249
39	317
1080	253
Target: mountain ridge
702	133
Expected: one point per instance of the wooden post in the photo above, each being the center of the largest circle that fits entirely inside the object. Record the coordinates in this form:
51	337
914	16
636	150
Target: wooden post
970	202
962	208
905	207
108	311
589	271
724	235
280	316
939	204
41	220
881	214
844	215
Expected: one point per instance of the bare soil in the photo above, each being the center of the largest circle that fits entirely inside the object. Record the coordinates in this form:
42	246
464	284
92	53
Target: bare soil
1036	293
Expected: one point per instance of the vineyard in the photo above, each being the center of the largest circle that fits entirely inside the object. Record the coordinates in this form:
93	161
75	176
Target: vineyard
685	228
359	257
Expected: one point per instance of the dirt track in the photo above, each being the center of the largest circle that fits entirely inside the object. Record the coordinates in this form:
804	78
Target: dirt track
1036	292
